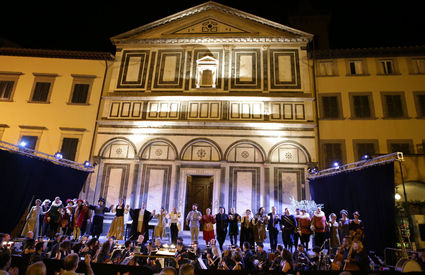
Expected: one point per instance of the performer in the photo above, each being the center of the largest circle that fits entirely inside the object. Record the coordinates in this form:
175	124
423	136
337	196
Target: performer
334	241
192	219
305	228
44	225
208	230
260	221
273	228
99	212
66	216
117	225
289	226
140	225
80	218
159	230
175	226
234	219
344	224
297	233
222	221
32	220
356	224
53	216
318	224
247	234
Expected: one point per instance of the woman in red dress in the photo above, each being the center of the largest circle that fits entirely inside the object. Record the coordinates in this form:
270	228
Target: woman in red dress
208	230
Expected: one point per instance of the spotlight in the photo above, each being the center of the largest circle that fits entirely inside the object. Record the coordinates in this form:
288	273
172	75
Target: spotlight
365	157
22	144
58	156
87	164
397	196
336	165
313	170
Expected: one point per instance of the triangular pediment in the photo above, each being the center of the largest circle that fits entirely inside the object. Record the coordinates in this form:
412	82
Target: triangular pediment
211	19
208	26
207	59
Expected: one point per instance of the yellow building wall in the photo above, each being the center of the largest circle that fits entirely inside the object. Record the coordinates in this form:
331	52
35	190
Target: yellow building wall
56	114
380	128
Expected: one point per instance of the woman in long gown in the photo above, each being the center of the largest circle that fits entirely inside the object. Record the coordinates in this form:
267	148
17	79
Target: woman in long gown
208	230
160	226
32	221
260	220
117	225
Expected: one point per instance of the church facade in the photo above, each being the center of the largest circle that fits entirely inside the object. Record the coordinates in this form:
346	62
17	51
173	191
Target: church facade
210	105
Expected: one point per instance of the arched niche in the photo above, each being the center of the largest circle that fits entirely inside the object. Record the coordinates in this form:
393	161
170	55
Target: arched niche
118	148
158	149
289	152
245	151
201	150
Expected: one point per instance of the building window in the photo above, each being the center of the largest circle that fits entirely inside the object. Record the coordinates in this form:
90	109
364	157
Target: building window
356	67
326	68
42	88
420	104
364	147
332	152
404	146
361	105
331	107
80	93
30	142
418	65
386	67
81	89
6	88
394	105
69	148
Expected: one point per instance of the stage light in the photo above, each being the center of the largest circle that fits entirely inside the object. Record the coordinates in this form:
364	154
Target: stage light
22	144
365	157
397	196
313	170
58	156
87	164
335	165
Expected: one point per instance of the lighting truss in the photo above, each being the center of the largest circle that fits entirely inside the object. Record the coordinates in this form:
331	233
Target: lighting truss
397	156
40	155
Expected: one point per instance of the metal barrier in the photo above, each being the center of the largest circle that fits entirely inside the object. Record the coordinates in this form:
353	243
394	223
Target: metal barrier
40	155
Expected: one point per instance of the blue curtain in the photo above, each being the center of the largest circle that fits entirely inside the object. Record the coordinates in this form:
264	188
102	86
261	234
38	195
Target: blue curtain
23	177
369	191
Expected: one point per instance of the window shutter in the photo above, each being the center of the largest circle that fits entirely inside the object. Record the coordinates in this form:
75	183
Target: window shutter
80	93
41	91
361	106
69	148
6	89
330	107
421	105
394	105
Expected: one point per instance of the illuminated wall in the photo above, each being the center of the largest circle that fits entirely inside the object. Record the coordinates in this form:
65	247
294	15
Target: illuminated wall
210	91
39	98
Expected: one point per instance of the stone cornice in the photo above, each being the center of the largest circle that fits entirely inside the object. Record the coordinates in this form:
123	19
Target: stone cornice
212	40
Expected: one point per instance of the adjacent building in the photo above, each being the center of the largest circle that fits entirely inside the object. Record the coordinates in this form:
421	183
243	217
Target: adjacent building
49	99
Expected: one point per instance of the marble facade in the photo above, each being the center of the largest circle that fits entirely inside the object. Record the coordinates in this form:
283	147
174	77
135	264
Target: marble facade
210	91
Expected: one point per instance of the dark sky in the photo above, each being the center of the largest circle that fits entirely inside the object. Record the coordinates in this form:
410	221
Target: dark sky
88	25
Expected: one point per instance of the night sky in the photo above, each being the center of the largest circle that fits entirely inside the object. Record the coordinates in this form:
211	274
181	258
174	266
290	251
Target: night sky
89	25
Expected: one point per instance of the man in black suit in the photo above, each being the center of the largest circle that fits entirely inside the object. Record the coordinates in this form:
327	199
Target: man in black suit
273	228
140	225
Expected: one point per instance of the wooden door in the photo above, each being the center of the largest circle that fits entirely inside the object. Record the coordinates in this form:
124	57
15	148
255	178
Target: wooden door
199	190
